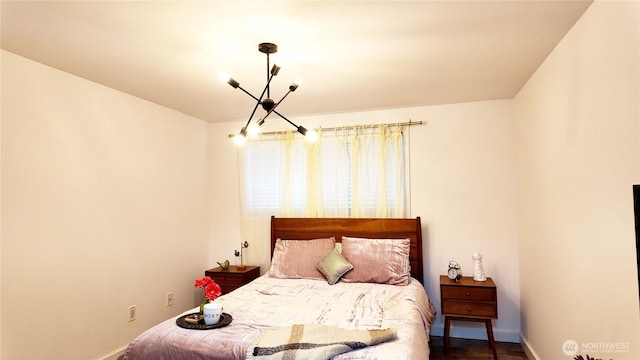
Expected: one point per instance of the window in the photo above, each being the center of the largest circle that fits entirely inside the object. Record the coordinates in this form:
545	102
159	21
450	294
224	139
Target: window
350	176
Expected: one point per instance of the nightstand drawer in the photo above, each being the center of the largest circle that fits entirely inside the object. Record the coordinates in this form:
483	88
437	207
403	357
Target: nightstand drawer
233	277
469	308
228	286
228	279
468	293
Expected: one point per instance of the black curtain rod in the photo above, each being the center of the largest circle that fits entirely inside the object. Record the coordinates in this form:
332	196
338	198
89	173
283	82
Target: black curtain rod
348	127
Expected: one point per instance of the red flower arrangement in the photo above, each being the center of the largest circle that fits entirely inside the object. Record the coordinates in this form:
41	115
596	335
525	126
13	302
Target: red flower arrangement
210	288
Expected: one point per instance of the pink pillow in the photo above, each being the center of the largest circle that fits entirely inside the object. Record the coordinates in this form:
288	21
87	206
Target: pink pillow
384	261
297	259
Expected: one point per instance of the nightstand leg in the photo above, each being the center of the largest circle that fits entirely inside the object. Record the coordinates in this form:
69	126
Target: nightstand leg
447	326
492	343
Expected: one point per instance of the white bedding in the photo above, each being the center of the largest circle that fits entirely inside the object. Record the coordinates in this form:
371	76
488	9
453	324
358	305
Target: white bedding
273	303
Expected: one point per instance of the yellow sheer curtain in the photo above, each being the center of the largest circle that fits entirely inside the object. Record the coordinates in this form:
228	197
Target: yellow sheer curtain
397	150
336	174
314	206
378	172
351	172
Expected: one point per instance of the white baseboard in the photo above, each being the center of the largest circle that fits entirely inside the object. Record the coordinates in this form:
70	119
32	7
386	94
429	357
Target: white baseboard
114	355
528	350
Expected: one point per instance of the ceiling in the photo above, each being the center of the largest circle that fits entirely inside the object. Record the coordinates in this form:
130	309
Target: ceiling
351	55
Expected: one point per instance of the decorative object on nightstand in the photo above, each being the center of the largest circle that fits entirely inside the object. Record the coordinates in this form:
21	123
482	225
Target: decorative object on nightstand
454	272
239	253
478	271
234	277
224	265
469	300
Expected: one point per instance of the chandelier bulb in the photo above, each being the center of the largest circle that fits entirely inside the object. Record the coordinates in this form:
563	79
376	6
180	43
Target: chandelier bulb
295	85
311	136
226	78
239	139
253	129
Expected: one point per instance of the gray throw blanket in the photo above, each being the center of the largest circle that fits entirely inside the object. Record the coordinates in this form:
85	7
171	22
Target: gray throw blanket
313	341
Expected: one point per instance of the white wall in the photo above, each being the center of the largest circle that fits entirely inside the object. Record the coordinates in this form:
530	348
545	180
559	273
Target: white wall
103	207
0	210
578	150
224	194
462	186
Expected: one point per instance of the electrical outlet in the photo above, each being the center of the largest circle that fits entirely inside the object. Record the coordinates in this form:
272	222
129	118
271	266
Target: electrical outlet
132	313
170	298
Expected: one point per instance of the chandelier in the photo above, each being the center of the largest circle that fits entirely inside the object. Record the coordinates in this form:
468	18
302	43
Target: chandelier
252	128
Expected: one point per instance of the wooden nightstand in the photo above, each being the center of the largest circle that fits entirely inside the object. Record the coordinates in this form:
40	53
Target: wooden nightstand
233	277
469	300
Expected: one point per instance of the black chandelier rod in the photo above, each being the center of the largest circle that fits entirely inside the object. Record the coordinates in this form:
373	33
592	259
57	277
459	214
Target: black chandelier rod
301	129
287	120
268	79
258	101
278	103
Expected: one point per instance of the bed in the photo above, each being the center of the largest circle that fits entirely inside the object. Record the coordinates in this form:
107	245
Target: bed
307	293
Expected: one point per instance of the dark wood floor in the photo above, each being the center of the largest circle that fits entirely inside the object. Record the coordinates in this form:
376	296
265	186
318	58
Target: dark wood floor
466	349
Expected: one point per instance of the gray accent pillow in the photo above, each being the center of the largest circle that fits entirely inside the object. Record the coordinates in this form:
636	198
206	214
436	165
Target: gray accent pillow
333	266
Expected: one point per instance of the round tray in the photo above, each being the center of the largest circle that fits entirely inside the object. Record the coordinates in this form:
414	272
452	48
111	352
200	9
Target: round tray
225	319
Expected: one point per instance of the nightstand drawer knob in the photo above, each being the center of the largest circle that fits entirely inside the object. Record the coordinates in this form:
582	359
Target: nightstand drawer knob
469	308
468	294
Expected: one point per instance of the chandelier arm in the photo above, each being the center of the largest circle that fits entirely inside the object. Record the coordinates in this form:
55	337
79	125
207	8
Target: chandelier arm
248	93
243	130
287	120
252	113
258	101
276	105
283	97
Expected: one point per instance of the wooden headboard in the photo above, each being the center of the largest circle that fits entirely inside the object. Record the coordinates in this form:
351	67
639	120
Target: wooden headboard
314	228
